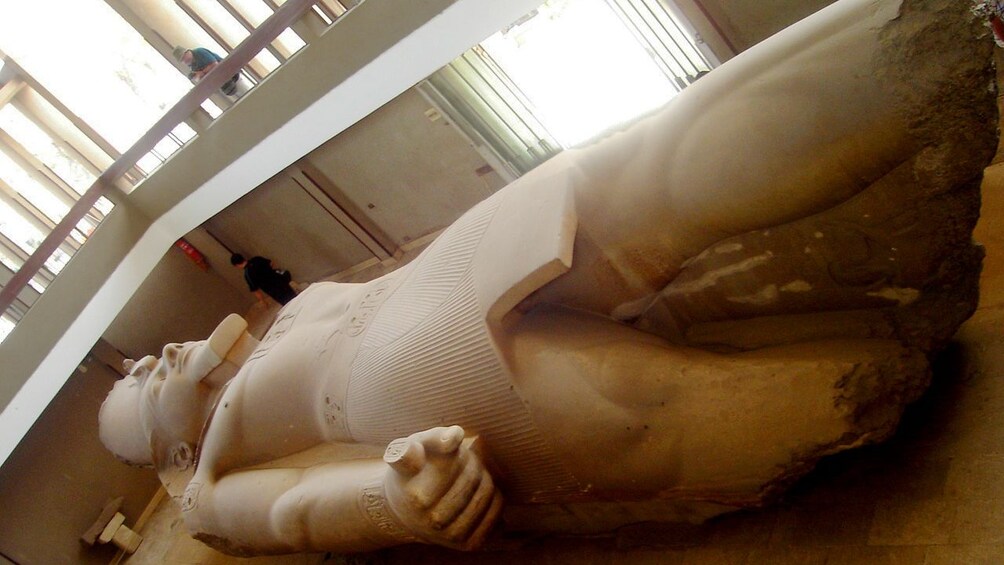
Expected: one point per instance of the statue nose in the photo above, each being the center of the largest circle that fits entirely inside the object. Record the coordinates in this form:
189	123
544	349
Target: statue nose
171	353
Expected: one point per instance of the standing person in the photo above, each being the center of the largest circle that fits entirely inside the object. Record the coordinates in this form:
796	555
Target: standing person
201	61
263	278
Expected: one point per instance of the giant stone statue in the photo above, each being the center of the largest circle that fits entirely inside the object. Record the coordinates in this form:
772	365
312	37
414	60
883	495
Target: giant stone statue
673	322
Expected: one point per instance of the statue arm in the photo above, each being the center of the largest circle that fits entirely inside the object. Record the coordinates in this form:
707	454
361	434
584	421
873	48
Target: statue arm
250	512
431	487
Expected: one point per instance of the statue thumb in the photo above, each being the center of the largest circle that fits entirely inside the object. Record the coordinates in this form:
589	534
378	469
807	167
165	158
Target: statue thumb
405	456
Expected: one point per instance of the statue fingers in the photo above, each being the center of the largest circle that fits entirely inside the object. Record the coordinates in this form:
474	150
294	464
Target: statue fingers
474	516
427	488
442	441
426	465
459	494
471	526
405	456
408	455
477	537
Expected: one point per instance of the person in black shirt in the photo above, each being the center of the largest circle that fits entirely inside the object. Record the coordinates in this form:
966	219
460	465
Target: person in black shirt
263	278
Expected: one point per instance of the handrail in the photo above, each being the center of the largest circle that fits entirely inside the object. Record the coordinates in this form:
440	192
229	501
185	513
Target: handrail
263	35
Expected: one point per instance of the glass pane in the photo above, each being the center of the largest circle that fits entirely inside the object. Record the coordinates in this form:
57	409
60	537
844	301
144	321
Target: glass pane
25	236
86	227
324	17
147	163
32	190
6	326
212	109
267	59
166	147
579	84
291	41
45	149
183	132
92	60
35	283
104	205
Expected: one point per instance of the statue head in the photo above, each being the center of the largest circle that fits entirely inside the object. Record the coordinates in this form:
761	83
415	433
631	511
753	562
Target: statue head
119	427
154	415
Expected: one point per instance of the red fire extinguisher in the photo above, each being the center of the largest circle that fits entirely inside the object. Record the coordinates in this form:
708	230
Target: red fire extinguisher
998	26
192	253
991	11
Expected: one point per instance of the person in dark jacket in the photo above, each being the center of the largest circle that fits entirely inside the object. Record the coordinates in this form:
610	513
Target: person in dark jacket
201	60
263	278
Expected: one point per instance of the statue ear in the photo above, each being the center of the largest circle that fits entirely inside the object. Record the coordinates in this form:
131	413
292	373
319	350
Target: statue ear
182	455
128	364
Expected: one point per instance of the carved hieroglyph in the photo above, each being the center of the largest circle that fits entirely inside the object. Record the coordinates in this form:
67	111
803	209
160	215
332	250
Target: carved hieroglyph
676	321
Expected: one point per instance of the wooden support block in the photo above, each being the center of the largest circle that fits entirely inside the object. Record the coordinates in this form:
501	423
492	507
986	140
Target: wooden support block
109	532
110	527
126	539
111	508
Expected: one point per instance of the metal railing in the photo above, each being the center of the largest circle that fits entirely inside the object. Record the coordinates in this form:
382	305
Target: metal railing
261	38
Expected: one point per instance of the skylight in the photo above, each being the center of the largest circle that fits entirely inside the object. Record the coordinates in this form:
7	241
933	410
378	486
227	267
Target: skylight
581	68
93	61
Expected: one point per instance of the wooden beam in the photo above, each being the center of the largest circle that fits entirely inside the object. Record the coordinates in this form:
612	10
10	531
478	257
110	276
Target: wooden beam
31	109
37	218
9	90
62	109
74	120
36	175
273	47
42	278
53	178
27	297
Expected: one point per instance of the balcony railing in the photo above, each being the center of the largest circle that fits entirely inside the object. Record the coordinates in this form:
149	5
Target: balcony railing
24	286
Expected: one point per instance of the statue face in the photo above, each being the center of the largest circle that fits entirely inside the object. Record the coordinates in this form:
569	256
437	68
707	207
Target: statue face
174	399
119	423
156	413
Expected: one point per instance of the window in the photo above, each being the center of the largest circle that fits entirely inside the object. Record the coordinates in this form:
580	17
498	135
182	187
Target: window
92	60
6	326
46	150
565	73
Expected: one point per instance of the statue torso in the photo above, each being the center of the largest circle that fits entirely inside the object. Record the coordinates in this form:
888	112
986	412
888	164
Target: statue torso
409	351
